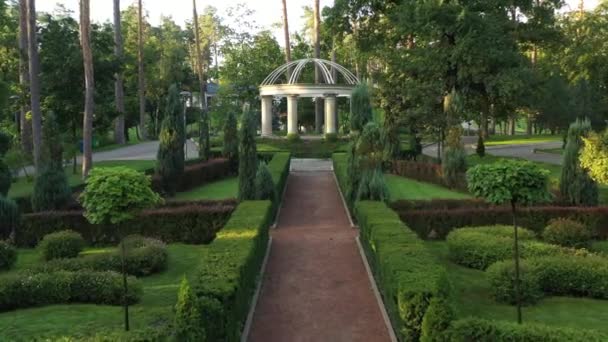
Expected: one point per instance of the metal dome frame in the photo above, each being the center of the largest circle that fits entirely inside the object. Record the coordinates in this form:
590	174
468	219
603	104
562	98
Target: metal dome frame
324	65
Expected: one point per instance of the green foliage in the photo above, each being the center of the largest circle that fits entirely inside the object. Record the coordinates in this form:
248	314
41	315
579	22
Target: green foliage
5	143
437	321
115	195
248	158
22	290
52	155
51	190
8	255
264	185
501	277
170	156
576	185
370	147
600	247
353	174
204	148
454	166
10	217
372	187
188	325
509	181
567	233
361	107
331	137
293	137
6	178
62	244
481	147
230	149
594	156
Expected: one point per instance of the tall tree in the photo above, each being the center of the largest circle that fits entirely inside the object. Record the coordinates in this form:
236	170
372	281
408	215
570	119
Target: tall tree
317	42
199	56
24	76
89	80
119	128
286	33
34	68
141	81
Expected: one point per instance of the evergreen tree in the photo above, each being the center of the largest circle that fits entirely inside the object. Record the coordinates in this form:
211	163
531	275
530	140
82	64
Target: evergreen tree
5	172
188	319
10	216
361	107
264	185
455	158
576	186
230	149
170	156
204	150
248	158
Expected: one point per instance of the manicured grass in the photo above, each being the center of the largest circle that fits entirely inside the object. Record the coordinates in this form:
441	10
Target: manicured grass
84	320
24	187
304	148
471	297
222	189
496	140
402	188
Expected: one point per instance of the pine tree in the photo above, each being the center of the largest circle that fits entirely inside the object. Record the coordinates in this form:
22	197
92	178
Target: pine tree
576	186
170	156
248	158
188	319
264	185
361	107
204	151
231	140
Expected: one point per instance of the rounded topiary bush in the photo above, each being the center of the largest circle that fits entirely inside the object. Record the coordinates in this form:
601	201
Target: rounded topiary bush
63	244
568	233
501	277
436	320
8	255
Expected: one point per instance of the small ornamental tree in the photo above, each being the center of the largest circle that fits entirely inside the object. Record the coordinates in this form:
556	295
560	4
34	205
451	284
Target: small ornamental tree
576	186
361	107
370	153
188	318
204	143
513	182
248	158
115	195
230	150
594	156
170	156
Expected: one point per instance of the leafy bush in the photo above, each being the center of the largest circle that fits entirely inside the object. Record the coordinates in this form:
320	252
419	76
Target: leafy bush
248	158
436	321
567	233
594	156
475	329
10	217
361	107
501	277
372	186
170	156
576	185
63	244
22	290
188	319
51	190
8	255
408	275
264	185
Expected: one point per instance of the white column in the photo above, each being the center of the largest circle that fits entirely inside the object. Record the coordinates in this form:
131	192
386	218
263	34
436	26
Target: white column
330	117
266	116
292	114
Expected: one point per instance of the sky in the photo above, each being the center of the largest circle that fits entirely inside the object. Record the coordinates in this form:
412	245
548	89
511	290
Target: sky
268	12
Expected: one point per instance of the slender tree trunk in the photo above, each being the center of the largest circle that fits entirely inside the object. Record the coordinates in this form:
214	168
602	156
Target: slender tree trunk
199	56
24	77
34	67
141	91
317	42
516	259
287	42
89	101
119	125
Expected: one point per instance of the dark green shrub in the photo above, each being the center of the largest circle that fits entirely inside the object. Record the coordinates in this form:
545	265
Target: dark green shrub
600	247
197	174
568	233
437	321
501	277
6	178
279	169
481	147
248	158
204	144
8	255
188	320
576	185
170	156
475	329
230	149
51	190
331	137
63	244
5	143
361	107
372	186
353	174
293	137
454	166
10	218
264	186
22	290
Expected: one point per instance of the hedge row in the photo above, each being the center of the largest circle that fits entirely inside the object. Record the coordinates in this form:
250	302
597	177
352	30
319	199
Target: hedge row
340	161
193	223
25	289
197	174
473	329
230	267
426	172
439	223
408	275
279	169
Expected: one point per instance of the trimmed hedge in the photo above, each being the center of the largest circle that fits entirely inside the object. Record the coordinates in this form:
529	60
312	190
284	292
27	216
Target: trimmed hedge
442	222
193	223
340	164
279	169
474	329
567	233
62	244
427	172
501	277
226	281
439	204
197	174
24	289
408	274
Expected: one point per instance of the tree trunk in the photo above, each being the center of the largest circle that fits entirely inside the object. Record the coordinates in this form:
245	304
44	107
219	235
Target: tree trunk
141	86
317	42
34	67
199	56
287	42
89	101
119	125
516	259
24	76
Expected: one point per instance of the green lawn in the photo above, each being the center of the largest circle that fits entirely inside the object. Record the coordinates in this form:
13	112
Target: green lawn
222	189
83	320
304	148
24	187
496	140
471	297
402	188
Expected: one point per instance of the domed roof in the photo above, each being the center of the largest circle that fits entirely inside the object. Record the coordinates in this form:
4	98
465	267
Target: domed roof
298	66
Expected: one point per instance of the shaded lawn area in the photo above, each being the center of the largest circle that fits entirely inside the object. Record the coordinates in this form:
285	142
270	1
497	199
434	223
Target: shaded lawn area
86	320
24	187
471	297
222	189
496	140
402	188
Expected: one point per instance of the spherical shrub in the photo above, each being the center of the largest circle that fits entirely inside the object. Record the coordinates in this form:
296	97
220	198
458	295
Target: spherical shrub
501	276
8	255
567	233
63	244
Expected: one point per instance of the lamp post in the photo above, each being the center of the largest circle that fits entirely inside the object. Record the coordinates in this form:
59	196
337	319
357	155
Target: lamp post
185	95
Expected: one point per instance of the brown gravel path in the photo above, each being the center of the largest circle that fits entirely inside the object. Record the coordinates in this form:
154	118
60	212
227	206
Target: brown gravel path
315	287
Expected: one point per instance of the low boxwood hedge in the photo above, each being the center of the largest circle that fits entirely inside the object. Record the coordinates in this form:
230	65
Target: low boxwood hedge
474	329
408	275
26	289
197	174
501	277
62	244
226	281
279	169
